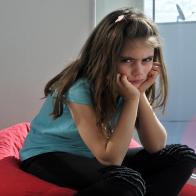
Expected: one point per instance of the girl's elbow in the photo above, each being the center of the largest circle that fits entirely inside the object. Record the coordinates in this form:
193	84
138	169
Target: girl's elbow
109	160
159	145
156	148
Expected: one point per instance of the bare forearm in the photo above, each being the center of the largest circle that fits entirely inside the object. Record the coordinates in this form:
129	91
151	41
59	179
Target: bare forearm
118	143
151	132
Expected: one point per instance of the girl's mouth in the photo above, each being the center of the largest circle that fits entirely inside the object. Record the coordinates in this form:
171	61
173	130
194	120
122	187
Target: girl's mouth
136	82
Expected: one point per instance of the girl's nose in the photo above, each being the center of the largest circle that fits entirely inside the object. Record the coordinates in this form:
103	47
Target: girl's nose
137	68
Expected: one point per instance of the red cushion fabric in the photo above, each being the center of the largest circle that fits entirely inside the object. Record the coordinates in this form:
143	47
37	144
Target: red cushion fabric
188	190
14	181
134	144
18	183
12	138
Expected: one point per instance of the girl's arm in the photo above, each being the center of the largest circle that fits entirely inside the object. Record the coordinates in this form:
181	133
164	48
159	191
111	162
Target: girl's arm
150	130
108	151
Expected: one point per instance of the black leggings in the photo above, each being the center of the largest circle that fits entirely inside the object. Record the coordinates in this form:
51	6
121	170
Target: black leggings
160	174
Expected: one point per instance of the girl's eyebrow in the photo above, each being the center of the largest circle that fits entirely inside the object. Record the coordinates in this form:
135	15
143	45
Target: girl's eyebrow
131	58
127	57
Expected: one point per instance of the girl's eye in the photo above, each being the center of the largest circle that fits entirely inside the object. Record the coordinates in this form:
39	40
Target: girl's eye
148	59
127	60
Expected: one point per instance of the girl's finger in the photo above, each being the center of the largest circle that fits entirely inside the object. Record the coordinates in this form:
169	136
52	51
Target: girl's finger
156	68
157	64
154	71
118	78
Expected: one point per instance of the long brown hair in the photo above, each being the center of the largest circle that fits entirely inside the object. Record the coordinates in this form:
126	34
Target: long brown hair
97	62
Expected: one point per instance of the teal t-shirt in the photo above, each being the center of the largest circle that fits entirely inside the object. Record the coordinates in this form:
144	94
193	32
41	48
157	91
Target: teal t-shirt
51	135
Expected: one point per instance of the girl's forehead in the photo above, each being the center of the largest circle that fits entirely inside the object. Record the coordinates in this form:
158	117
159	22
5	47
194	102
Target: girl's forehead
138	44
137	49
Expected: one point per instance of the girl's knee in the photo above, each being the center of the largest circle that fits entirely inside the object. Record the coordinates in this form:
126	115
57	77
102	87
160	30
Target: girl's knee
180	152
127	177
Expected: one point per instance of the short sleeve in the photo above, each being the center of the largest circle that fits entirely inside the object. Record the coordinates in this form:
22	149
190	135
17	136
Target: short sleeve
80	93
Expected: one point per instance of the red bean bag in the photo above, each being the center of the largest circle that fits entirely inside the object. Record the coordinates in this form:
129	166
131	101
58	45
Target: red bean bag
14	181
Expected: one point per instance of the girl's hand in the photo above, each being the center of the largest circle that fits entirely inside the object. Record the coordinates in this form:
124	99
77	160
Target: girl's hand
126	89
152	75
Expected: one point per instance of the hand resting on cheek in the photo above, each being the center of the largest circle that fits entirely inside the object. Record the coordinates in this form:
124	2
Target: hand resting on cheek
151	78
125	88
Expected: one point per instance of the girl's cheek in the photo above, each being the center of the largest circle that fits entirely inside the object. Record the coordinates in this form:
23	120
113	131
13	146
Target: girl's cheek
123	71
148	69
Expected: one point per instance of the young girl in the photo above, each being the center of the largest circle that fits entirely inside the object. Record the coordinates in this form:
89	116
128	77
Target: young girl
80	138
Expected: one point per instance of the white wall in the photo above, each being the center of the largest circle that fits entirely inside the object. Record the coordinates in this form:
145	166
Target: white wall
37	39
180	50
104	7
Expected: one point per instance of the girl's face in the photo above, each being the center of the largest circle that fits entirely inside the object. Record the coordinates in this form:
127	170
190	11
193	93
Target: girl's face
136	61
